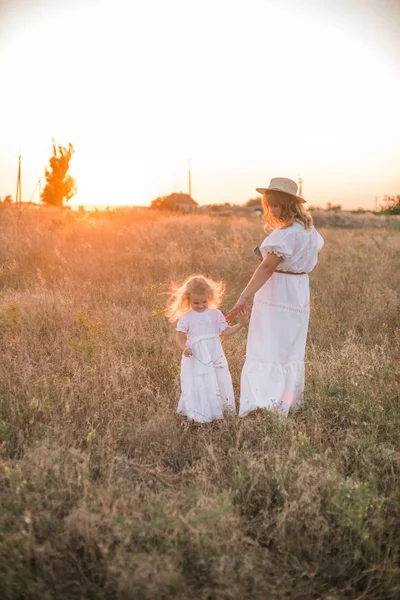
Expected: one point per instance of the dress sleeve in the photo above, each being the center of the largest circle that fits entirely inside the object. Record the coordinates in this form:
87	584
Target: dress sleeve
183	324
221	321
279	242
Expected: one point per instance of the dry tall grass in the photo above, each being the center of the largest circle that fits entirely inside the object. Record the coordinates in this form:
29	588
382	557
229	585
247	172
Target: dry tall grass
106	494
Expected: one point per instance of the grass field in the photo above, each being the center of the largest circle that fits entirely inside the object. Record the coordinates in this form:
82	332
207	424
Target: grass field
105	493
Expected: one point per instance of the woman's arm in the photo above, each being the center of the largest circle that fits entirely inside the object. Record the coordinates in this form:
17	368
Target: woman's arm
259	278
261	275
181	339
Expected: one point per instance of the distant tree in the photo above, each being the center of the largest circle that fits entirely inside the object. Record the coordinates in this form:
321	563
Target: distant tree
163	202
359	211
332	207
7	200
215	207
254	202
60	186
391	205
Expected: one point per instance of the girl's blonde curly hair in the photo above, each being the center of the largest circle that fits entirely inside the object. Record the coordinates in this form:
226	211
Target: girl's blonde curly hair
179	295
291	209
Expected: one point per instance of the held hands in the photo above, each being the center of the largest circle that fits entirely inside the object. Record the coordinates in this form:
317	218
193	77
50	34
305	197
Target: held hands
187	351
239	308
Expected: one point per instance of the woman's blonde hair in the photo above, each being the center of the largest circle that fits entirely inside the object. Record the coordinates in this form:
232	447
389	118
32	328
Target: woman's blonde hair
291	209
179	295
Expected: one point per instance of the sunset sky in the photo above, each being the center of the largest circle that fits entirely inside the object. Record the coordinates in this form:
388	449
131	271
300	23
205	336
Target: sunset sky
247	89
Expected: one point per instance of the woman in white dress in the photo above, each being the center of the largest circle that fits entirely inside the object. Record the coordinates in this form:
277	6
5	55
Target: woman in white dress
206	383
273	373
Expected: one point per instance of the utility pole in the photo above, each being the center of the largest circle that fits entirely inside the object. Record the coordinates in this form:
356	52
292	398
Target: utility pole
300	184
190	178
376	203
18	195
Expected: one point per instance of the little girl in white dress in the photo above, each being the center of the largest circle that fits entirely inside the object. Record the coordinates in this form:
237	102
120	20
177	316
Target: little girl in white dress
206	383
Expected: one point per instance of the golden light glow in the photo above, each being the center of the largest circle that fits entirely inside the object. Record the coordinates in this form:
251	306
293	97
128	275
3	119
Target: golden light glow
248	93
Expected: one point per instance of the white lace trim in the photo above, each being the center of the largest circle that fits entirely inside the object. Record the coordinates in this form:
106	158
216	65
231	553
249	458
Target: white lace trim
285	307
223	326
270	250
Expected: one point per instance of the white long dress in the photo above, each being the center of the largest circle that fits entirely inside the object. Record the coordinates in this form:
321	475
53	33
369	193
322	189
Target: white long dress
206	383
273	373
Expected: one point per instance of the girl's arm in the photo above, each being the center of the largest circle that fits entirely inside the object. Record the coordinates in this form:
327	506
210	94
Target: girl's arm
231	329
259	278
181	339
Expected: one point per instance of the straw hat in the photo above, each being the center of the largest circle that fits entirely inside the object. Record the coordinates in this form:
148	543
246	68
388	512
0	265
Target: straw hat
282	184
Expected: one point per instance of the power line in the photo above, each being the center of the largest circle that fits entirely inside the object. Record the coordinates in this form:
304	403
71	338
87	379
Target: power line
37	186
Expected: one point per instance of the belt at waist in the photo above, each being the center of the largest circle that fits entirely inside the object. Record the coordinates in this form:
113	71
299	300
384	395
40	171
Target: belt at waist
291	273
199	338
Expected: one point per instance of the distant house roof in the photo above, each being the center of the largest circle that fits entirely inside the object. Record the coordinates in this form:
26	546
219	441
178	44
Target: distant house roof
182	198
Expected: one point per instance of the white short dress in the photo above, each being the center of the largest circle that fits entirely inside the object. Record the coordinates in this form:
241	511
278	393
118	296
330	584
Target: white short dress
206	383
273	373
